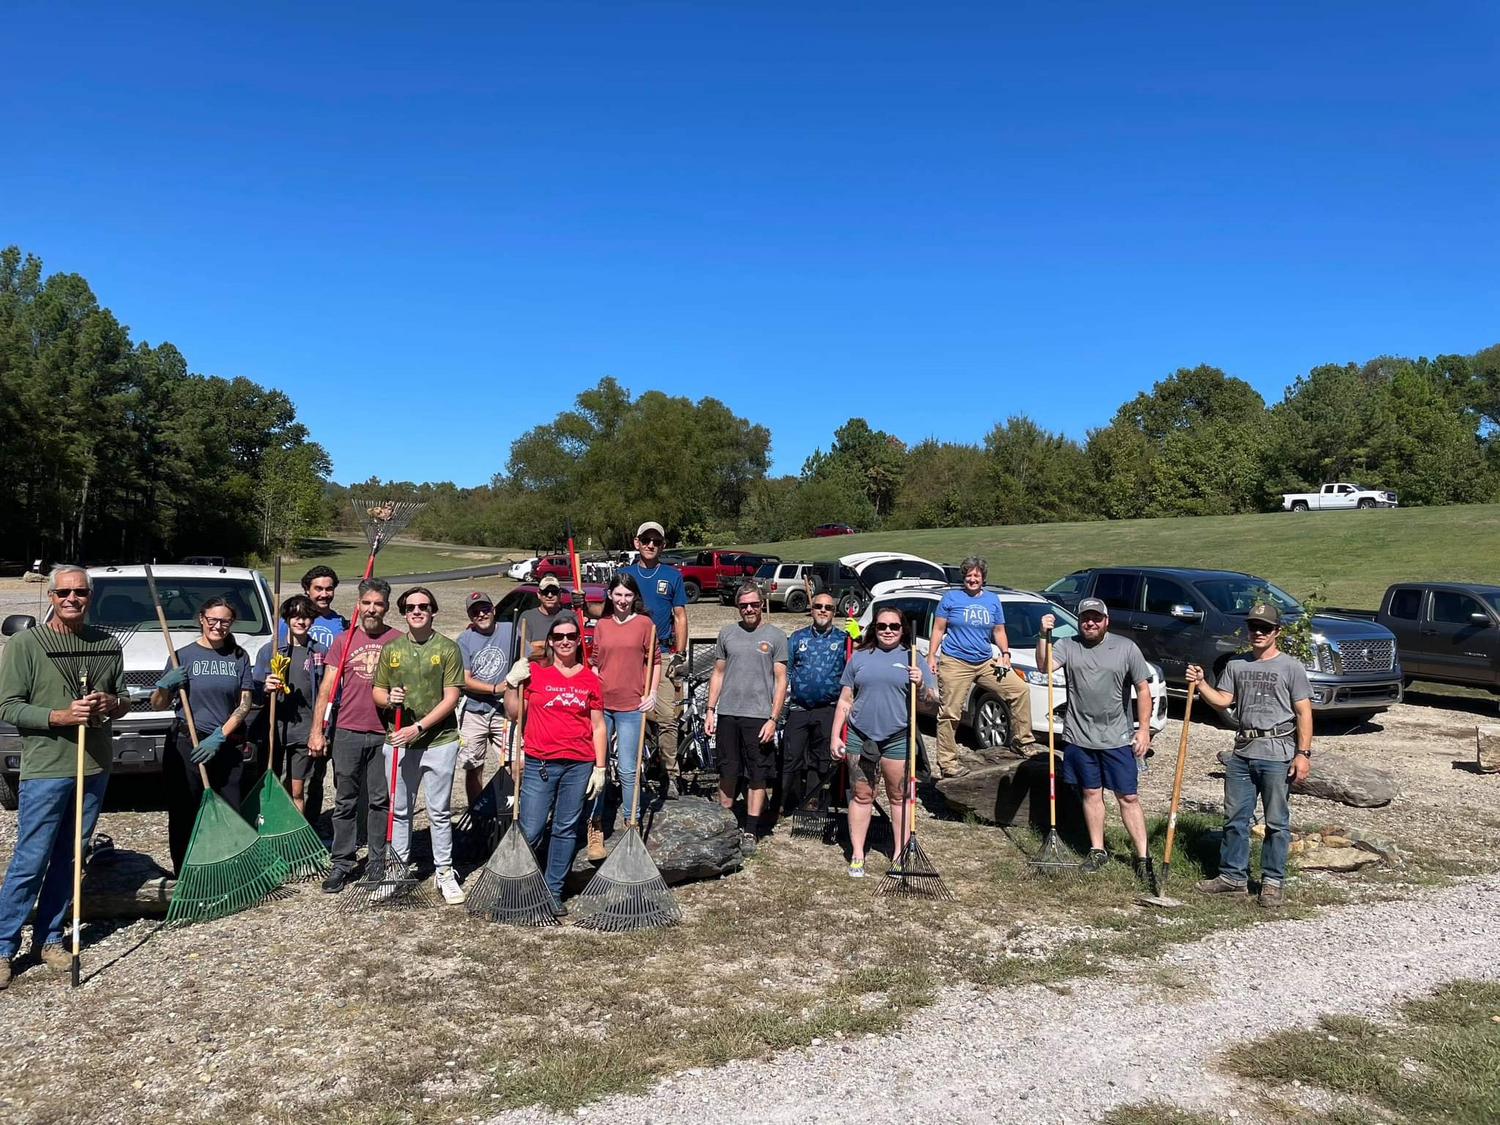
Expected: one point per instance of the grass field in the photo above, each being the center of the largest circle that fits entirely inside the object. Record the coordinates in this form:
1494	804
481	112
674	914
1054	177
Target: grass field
1349	558
348	554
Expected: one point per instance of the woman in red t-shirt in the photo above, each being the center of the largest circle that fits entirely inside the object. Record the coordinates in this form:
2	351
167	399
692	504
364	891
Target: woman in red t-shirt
621	643
563	738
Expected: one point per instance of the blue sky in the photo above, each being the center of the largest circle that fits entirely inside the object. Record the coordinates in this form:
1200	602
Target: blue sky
443	221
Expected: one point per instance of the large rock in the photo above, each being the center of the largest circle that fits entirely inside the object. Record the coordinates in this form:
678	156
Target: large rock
1488	738
1337	859
688	839
1012	793
1339	779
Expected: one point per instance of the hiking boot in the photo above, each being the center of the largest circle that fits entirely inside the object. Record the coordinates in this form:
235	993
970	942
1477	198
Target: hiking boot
1270	896
1097	861
671	790
748	843
4	973
337	880
447	883
1219	885
596	841
1145	872
56	957
956	771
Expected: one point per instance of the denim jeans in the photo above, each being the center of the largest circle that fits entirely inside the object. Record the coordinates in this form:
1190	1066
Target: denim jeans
622	731
560	793
1244	780
43	858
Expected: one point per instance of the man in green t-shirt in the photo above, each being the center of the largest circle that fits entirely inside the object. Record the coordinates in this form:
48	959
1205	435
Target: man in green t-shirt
421	675
40	697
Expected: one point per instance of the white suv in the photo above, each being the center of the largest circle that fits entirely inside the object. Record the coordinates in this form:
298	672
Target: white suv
984	713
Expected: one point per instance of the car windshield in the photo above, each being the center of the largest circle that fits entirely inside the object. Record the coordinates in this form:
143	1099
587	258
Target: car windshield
765	570
1237	595
1023	622
1493	597
124	600
1067	584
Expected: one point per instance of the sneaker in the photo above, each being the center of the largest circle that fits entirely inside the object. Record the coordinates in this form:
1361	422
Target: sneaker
559	910
447	883
56	957
1270	896
384	889
1219	885
1145	872
895	867
747	843
1098	860
337	880
856	869
4	973
596	841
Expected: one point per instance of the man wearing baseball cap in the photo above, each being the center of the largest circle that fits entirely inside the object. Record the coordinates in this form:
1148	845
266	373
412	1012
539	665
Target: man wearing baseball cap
1266	694
537	621
1099	749
486	650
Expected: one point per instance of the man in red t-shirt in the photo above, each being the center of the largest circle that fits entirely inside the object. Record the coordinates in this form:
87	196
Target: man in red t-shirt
358	733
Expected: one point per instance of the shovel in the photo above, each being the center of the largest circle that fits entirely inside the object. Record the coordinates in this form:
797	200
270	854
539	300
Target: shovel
1161	898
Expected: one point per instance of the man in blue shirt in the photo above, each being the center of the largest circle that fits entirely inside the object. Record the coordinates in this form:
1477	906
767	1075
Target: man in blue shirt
967	622
320	583
816	657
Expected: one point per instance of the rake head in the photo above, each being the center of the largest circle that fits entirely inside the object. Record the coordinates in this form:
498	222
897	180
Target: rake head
510	888
479	827
1054	860
914	876
281	827
811	821
389	884
227	867
628	892
383	519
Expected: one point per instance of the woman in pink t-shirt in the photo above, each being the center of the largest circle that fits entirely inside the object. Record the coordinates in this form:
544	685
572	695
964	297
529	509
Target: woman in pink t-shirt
563	739
622	641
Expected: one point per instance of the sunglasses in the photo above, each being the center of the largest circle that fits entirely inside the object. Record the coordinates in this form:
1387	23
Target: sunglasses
750	605
418	607
825	607
887	627
481	611
654	540
71	592
552	592
1260	627
570	638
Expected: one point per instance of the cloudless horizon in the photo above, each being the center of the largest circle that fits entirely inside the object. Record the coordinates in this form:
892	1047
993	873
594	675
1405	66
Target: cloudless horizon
433	227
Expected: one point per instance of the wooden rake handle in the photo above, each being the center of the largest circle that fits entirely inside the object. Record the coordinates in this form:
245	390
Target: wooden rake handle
187	710
1182	743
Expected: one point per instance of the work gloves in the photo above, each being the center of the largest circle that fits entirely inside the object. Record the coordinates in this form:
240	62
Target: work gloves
595	785
172	679
519	672
208	746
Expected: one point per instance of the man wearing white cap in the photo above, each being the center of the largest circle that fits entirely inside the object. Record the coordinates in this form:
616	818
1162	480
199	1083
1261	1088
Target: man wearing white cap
536	622
486	649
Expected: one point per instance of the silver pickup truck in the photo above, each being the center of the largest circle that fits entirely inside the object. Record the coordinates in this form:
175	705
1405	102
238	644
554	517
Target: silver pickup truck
122	603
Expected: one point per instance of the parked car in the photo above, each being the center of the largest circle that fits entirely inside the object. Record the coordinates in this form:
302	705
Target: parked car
552	564
1446	632
854	579
203	560
1181	616
784	585
824	529
521	571
984	713
122	603
751	565
713	568
1340	495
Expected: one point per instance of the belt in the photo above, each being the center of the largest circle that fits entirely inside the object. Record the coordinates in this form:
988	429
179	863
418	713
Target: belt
1250	734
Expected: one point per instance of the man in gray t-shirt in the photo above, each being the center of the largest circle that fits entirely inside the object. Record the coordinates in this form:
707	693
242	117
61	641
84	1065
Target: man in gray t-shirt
1266	694
1100	751
745	694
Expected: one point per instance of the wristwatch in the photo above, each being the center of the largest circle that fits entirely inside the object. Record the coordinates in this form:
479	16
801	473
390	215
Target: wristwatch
418	725
1305	753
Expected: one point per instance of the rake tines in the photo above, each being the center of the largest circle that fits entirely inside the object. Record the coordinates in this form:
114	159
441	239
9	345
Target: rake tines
510	888
811	820
914	875
384	519
628	892
278	823
389	884
1053	859
227	867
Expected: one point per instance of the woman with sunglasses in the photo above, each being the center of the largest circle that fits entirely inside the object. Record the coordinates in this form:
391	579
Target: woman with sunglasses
563	741
217	675
622	641
873	701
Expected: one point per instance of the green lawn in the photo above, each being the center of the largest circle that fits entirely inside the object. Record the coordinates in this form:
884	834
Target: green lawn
1349	557
348	554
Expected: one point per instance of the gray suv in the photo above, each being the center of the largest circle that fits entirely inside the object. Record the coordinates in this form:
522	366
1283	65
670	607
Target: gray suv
784	585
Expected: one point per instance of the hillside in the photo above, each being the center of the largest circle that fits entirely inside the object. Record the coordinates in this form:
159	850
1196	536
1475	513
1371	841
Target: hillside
1349	557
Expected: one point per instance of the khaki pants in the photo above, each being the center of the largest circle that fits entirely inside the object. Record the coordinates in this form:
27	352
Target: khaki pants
954	678
664	723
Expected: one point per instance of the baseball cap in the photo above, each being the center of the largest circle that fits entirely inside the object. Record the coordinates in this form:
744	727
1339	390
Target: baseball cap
1093	605
1261	611
478	597
549	582
651	525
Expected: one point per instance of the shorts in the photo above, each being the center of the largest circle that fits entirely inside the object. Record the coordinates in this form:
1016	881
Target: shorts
742	753
1115	769
300	765
893	748
477	732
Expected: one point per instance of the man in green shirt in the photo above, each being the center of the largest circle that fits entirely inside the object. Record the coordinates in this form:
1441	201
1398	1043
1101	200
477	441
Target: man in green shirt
422	674
39	696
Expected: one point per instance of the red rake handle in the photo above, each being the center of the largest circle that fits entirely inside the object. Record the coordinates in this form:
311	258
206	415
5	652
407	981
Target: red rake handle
390	812
583	645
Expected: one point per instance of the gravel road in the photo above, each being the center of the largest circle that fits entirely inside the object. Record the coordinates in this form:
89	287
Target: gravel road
1039	1055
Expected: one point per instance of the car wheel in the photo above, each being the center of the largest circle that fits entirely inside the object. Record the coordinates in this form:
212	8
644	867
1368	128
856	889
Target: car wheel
796	601
1299	505
991	722
1367	503
8	800
691	589
851	605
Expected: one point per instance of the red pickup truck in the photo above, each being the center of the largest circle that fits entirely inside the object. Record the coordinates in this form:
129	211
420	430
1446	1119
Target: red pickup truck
719	568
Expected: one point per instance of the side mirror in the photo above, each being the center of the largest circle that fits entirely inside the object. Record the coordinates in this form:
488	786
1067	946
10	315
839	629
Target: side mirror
16	623
1186	613
1477	618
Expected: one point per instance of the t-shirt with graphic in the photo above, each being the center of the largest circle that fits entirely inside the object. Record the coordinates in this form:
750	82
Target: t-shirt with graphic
357	711
215	680
750	656
559	713
661	590
324	628
971	624
620	653
487	659
1099	679
294	707
815	666
1264	691
425	669
881	681
34	684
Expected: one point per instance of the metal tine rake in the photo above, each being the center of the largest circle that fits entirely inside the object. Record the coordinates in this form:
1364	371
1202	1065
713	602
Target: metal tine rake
382	521
913	874
1052	859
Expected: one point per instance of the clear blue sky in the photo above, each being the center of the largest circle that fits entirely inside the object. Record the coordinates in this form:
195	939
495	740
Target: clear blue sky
443	221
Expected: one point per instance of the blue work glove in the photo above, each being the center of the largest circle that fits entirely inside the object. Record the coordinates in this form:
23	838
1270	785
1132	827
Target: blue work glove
172	679
208	747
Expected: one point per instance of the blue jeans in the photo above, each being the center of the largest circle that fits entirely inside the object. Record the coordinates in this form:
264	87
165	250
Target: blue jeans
43	858
622	731
1244	780
561	794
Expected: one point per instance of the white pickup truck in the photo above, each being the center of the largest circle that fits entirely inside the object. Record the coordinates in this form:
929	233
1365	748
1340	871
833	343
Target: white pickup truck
1337	496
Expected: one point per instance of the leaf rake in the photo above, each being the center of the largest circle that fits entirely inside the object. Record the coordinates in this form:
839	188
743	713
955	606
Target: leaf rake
1052	859
913	874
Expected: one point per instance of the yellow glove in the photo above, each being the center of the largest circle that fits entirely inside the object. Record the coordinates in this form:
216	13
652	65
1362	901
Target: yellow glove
280	666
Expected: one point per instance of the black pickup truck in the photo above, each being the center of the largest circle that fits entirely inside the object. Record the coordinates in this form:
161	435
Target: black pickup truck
1446	632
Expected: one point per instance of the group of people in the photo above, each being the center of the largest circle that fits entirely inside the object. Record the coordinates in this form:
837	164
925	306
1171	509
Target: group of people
371	699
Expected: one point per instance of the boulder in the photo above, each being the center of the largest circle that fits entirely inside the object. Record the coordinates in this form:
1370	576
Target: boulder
125	884
1488	739
1340	779
33	576
1012	793
1337	859
689	838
